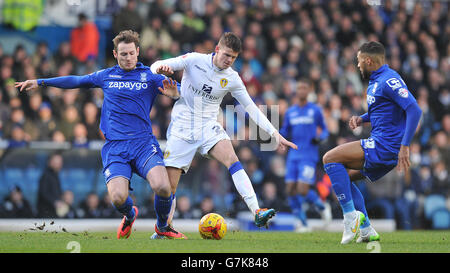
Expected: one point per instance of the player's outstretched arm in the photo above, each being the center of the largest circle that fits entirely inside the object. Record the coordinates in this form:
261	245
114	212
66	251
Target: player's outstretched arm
65	82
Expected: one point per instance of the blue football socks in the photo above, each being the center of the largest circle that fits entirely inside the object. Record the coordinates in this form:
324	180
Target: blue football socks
162	209
358	200
127	209
313	198
341	185
295	202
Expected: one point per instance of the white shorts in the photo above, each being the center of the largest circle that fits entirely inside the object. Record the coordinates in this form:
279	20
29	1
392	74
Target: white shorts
180	151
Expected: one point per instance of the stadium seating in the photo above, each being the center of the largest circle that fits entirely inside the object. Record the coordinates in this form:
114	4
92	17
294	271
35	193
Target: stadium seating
432	203
440	219
78	180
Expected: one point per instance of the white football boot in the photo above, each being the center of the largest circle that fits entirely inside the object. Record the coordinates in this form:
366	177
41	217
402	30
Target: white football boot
352	224
367	234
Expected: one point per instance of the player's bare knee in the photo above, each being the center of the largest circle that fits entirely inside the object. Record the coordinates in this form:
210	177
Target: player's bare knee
118	197
328	157
162	189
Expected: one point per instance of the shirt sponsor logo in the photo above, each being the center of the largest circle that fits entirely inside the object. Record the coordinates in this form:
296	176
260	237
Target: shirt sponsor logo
302	120
394	83
205	92
128	85
207	89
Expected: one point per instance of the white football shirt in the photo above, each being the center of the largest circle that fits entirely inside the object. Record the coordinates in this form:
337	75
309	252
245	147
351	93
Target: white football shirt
203	87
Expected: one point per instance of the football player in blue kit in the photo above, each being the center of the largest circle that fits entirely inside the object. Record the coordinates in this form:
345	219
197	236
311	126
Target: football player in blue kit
301	124
130	89
394	116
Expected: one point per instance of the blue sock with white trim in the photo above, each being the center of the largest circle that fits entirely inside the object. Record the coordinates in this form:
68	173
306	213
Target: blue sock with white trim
341	185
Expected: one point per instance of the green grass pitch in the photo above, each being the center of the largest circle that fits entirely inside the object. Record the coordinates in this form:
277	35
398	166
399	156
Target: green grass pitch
234	242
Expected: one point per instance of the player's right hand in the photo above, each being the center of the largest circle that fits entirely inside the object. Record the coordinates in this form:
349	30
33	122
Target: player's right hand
165	70
27	85
355	122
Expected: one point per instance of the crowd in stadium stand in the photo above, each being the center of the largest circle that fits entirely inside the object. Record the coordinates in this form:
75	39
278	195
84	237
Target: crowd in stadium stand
282	42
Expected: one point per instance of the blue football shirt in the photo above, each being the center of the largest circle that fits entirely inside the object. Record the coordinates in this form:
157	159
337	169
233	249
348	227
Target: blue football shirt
387	99
128	100
300	126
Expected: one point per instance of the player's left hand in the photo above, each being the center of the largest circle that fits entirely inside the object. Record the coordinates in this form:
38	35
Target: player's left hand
403	159
170	88
283	142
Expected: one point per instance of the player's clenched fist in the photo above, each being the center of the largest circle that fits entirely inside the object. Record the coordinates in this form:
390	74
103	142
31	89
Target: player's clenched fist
165	70
355	122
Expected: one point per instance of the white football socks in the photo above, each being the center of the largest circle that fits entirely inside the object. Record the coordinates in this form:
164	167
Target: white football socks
244	187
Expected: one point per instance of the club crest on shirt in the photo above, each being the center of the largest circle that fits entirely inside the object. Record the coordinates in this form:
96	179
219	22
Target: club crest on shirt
143	77
166	154
223	82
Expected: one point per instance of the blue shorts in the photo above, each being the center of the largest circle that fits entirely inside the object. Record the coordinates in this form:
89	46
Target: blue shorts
378	161
300	171
123	157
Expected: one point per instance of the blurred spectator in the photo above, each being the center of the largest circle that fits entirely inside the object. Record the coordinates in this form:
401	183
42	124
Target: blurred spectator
155	35
18	137
67	124
49	192
108	211
183	208
270	197
84	39
90	206
67	209
80	139
15	205
206	205
46	124
91	121
127	18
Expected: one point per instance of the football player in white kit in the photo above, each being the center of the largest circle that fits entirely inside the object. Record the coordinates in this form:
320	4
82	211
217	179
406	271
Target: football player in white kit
207	78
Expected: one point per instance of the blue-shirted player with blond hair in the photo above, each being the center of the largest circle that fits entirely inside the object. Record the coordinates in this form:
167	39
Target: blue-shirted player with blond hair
130	89
394	115
304	125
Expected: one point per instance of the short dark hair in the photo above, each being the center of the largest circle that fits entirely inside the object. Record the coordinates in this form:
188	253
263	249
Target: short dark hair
372	48
126	36
232	41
